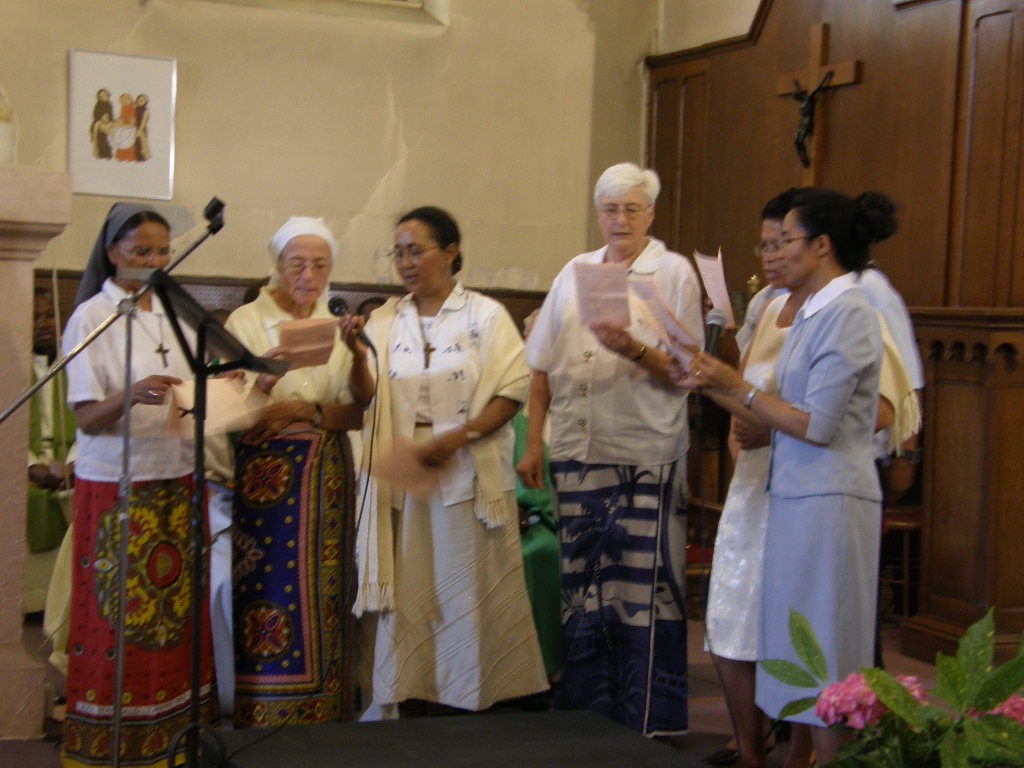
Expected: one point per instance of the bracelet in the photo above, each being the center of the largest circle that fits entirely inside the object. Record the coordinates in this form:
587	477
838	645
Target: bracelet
640	354
318	416
748	401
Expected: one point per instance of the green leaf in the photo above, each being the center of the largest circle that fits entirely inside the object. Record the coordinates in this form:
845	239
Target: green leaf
952	752
994	740
951	682
896	698
806	645
789	673
797	706
999	684
975	655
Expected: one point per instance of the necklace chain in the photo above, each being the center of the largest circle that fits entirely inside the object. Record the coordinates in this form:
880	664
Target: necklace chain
160	348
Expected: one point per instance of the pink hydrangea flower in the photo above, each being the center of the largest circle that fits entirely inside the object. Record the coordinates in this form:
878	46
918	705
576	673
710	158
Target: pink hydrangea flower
914	688
851	701
1013	707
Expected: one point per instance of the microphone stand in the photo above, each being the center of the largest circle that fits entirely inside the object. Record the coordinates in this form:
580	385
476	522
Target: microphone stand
214	214
180	306
126	308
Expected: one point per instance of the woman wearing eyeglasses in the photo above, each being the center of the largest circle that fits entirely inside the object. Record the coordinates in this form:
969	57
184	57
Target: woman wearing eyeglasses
159	613
294	505
824	512
619	436
444	572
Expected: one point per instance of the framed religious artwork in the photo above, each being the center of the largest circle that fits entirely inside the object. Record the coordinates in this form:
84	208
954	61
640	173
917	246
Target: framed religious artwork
121	125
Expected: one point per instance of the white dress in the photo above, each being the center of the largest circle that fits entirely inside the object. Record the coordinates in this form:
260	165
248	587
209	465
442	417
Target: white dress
734	597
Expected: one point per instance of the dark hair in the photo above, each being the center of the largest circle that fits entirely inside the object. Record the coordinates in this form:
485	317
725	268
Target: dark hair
135	221
852	224
442	227
777	208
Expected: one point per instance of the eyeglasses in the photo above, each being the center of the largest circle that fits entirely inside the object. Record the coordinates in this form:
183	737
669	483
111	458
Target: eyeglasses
145	253
412	253
295	267
773	247
631	211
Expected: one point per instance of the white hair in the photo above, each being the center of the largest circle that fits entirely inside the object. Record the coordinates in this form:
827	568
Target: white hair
619	179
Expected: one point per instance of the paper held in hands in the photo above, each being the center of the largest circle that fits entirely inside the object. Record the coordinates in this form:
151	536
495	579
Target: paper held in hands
306	342
602	294
401	468
712	273
231	405
682	343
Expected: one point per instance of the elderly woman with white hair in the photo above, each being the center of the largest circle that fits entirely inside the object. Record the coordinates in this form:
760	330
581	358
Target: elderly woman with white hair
618	432
294	504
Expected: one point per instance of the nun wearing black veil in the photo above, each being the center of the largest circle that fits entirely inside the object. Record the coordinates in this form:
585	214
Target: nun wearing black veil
156	688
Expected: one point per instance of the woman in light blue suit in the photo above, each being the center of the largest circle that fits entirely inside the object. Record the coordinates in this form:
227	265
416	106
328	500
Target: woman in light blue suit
824	517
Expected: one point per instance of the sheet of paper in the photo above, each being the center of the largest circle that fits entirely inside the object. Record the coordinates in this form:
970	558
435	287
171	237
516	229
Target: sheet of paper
602	294
307	342
712	273
231	405
682	342
401	468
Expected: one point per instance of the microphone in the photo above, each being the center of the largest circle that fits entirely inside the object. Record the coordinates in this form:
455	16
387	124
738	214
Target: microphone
337	306
716	321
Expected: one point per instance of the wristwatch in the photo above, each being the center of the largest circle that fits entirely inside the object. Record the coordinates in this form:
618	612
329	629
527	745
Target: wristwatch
913	455
318	416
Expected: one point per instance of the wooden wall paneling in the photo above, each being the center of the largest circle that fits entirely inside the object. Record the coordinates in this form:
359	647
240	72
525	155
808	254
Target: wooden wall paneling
227	292
894	130
972	527
677	151
987	251
663	151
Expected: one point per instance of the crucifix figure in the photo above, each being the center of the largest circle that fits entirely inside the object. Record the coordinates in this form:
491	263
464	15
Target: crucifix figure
162	351
428	349
809	137
808	103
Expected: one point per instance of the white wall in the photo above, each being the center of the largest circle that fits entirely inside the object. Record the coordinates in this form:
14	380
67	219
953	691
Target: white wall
685	24
505	116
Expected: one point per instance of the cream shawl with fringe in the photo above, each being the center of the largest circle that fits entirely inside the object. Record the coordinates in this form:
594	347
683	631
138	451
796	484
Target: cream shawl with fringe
505	374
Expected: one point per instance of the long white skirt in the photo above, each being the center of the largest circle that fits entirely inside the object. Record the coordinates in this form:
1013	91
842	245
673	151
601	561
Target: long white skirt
734	596
462	633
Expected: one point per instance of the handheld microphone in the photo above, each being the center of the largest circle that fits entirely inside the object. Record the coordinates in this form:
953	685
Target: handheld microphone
337	306
716	321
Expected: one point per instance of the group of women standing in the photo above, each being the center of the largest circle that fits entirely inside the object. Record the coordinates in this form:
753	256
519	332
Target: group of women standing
438	579
801	526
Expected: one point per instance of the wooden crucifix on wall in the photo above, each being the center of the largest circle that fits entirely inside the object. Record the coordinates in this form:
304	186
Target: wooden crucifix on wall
807	86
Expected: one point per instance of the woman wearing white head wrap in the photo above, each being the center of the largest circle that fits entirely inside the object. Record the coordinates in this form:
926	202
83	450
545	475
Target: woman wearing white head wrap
294	506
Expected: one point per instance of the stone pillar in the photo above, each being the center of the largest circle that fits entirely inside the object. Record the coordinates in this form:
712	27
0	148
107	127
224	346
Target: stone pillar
35	206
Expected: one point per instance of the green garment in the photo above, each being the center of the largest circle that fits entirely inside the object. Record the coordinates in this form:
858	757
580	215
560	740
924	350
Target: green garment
541	556
44	521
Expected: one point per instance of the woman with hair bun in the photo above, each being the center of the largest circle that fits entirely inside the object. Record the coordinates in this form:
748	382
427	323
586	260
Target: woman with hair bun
824	516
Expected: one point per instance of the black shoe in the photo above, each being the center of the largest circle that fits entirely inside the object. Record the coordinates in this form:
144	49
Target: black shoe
724	756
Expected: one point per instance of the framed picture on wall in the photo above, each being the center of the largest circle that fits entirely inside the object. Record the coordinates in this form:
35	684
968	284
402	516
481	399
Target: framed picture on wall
121	125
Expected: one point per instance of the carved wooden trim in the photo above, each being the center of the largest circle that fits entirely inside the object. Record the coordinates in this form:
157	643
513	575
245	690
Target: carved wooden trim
984	336
721	46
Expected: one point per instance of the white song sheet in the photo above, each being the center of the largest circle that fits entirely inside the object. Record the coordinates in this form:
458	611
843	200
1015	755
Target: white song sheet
712	273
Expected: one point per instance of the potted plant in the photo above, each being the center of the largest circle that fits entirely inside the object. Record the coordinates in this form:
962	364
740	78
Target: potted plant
978	719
